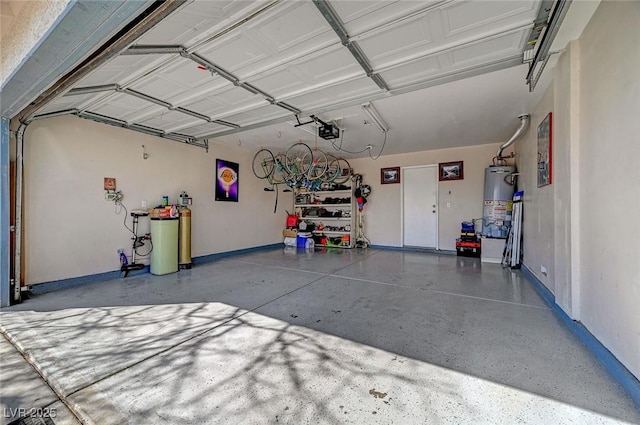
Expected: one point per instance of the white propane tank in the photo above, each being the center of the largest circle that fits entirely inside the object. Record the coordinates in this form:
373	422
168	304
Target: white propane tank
498	201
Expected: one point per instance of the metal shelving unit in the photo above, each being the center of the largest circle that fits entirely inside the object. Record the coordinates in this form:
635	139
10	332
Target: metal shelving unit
344	237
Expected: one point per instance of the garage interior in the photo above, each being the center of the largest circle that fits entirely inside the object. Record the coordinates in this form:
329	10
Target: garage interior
394	327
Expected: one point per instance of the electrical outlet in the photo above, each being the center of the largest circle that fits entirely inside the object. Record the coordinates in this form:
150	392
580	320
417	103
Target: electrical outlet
144	204
448	204
543	270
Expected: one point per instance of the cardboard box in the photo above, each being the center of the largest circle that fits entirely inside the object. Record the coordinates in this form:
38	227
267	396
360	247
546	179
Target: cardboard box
290	233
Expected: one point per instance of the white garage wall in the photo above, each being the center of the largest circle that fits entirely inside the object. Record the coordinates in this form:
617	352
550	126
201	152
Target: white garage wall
610	179
383	213
595	103
70	230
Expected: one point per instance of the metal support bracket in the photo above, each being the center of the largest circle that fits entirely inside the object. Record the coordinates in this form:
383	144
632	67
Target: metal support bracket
334	22
542	55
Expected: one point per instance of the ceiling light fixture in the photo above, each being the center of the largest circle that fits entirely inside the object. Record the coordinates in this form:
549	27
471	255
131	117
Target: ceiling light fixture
375	116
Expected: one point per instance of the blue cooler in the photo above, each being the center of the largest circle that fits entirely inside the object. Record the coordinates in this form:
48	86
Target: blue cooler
467	226
301	239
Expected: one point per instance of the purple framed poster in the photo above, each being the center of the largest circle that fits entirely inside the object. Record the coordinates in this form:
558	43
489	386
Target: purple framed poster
226	181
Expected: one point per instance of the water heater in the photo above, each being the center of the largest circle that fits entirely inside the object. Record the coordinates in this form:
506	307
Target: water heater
498	201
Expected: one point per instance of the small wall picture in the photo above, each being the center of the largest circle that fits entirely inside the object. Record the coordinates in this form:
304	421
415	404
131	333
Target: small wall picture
451	171
109	184
226	181
390	175
545	149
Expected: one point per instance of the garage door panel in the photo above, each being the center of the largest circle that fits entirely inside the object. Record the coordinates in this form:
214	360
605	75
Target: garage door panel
187	74
158	87
413	72
328	64
207	106
169	119
294	24
68	102
360	16
324	67
291	53
218	104
334	94
143	114
200	19
280	82
121	106
401	41
208	88
256	115
461	17
495	48
236	96
204	129
285	33
446	27
123	69
235	51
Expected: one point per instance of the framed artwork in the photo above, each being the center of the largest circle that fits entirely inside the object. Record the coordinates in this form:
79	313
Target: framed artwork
226	181
451	171
109	184
390	175
545	150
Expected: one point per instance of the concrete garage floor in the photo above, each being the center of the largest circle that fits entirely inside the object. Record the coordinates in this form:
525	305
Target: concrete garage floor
278	337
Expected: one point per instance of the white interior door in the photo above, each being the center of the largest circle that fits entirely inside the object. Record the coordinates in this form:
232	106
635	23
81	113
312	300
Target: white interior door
420	206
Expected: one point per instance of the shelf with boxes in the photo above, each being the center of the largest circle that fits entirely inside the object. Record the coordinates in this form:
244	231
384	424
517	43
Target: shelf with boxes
328	216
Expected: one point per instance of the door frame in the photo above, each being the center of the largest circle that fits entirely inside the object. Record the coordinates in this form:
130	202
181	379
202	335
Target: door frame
435	166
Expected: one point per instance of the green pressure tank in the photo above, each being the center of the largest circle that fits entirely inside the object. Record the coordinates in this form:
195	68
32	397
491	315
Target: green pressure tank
164	236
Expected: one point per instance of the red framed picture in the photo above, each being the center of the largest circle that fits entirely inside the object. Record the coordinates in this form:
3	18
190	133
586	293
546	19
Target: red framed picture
390	175
545	150
450	171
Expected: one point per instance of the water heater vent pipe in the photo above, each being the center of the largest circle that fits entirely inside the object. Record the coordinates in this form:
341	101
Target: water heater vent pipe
524	121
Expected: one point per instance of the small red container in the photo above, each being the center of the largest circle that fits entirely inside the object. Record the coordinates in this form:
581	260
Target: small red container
292	220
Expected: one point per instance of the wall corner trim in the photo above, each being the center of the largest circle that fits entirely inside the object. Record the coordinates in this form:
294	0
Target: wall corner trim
56	285
414	249
616	369
221	255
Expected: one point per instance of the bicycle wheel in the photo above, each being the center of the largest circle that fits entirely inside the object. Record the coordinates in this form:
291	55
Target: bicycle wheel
263	163
345	171
280	173
333	169
295	159
318	165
